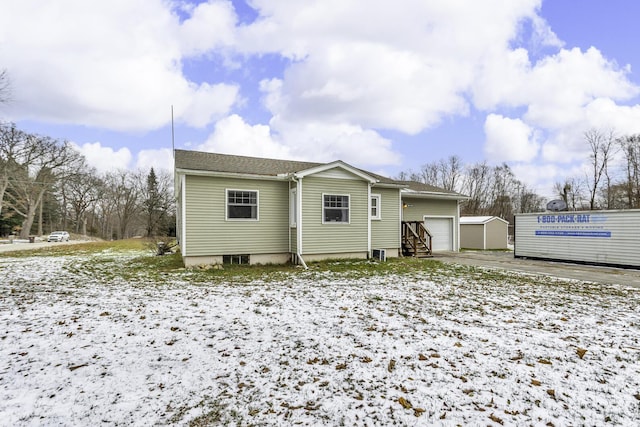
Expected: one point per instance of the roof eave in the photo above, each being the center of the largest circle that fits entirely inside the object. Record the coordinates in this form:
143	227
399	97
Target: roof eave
433	195
389	185
336	164
199	172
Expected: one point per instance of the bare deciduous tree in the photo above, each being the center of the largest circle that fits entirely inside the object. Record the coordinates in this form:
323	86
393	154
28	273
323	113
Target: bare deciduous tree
12	148
572	192
601	146
630	147
445	173
79	192
42	165
4	87
477	187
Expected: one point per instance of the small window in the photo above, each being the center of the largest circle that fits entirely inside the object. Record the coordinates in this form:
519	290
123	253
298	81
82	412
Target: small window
235	259
242	204
375	206
335	209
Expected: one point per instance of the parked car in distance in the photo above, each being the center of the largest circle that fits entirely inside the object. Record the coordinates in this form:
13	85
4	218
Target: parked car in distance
58	236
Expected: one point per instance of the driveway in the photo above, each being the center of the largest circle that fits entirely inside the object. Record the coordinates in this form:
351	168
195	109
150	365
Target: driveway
506	261
25	245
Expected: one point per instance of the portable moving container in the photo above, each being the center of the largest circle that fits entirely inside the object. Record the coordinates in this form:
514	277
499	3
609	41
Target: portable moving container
591	237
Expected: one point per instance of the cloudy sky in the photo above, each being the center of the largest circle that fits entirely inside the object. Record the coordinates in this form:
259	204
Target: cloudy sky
384	85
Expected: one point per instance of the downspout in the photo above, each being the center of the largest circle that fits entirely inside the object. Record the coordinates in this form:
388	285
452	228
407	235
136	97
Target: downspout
369	220
299	220
484	236
457	227
183	196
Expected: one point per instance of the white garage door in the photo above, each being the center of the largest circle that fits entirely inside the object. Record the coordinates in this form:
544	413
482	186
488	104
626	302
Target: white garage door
441	230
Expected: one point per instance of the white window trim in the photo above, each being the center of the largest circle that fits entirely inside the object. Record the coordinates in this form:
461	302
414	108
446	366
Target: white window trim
378	198
293	208
226	206
348	196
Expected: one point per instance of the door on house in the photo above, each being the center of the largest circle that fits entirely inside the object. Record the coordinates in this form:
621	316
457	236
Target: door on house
441	230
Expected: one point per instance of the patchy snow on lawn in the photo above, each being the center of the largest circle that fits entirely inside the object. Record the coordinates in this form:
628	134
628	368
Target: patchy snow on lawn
78	348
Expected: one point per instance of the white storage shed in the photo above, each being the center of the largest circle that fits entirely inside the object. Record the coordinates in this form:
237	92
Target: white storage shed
483	232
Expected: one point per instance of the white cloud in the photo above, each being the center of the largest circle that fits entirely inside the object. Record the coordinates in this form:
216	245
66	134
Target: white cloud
161	159
304	141
604	113
540	178
232	135
103	158
401	68
210	25
556	90
543	35
560	87
347	71
113	64
327	142
509	140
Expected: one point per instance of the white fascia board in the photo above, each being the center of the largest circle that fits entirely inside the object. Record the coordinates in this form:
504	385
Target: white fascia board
475	220
501	219
480	220
432	195
387	185
337	164
233	175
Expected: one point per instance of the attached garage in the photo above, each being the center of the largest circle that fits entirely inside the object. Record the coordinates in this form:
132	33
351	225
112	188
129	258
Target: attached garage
437	209
483	232
441	229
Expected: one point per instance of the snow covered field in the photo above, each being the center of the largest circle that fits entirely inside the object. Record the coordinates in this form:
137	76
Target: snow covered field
84	347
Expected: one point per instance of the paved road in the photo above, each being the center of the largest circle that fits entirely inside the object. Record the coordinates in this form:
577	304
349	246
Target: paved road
506	261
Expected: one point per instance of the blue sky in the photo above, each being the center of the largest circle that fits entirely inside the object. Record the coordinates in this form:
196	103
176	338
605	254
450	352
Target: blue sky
387	86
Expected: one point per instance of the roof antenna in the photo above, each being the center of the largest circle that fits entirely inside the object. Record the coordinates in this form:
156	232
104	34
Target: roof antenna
173	143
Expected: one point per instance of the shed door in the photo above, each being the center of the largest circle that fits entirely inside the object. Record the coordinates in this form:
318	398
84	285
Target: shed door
441	230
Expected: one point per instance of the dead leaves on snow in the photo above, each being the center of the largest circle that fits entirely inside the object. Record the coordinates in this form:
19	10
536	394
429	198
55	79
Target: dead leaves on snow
73	368
392	365
407	405
495	419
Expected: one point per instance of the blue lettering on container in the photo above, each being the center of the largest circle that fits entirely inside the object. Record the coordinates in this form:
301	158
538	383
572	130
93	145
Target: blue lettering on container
573	233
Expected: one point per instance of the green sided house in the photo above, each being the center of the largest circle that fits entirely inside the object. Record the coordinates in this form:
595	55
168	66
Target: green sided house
238	209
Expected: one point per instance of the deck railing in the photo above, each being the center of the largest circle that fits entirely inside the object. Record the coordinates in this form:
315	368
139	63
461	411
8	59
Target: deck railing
416	239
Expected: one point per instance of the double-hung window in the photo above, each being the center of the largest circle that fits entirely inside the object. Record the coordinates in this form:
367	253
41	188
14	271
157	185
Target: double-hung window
242	204
335	208
375	206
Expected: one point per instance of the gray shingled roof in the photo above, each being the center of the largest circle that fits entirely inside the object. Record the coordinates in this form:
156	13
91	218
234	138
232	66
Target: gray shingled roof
419	186
214	162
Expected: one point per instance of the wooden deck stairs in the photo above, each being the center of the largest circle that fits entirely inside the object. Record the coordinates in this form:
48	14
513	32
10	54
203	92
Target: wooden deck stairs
416	240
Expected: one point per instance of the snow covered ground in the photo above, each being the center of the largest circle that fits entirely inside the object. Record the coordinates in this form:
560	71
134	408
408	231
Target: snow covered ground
80	347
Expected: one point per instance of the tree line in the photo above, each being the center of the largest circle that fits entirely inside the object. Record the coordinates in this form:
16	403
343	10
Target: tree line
611	180
47	185
492	190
